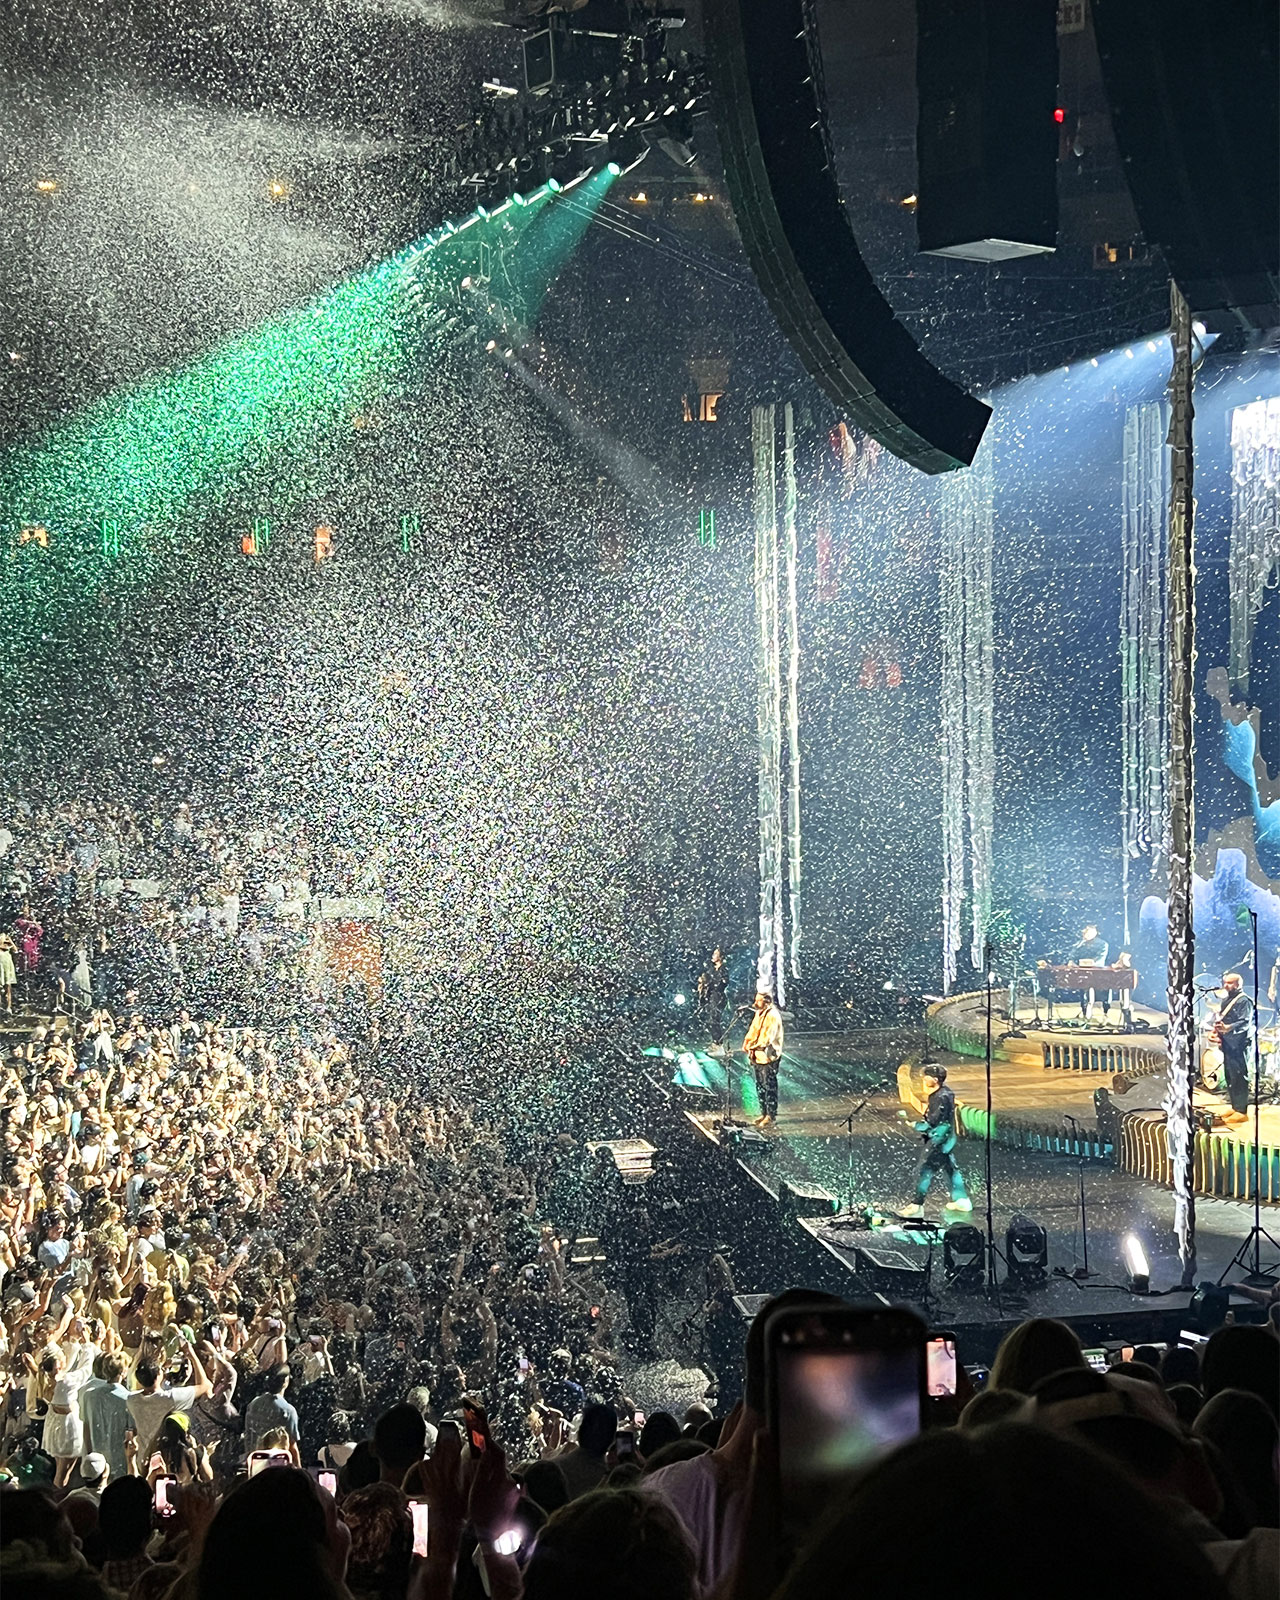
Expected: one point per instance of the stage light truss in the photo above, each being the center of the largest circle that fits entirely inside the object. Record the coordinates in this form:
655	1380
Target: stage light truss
521	140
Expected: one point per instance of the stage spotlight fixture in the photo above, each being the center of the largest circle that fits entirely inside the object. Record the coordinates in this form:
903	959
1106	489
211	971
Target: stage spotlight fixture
679	999
1136	1264
964	1252
1199	329
1208	1308
1027	1252
615	168
1093	361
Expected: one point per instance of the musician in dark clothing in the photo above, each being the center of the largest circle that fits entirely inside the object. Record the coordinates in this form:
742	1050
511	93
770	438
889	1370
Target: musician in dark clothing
1090	950
938	1127
1235	1031
713	986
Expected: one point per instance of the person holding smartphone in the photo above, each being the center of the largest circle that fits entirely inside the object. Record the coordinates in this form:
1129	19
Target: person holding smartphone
937	1126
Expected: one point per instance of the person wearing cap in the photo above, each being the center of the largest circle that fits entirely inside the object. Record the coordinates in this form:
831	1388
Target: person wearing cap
763	1049
937	1127
94	1475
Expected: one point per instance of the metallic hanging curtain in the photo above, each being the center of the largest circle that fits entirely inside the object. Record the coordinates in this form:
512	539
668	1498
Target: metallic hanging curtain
1180	717
791	537
769	699
1143	638
968	746
1255	525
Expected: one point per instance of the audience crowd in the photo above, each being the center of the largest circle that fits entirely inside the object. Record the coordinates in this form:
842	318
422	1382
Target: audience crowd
287	1310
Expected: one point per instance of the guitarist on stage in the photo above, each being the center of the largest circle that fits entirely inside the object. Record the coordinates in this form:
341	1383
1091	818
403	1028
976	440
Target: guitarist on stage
763	1049
1234	1032
938	1126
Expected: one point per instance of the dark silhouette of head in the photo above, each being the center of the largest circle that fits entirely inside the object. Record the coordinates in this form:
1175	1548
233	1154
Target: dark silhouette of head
621	1542
1034	1350
877	1539
399	1440
597	1429
269	1537
1243	1357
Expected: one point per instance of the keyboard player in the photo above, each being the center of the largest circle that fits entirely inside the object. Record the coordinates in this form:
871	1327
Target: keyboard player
1090	950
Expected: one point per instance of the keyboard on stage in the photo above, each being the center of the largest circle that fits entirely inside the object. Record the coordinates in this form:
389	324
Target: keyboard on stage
1076	979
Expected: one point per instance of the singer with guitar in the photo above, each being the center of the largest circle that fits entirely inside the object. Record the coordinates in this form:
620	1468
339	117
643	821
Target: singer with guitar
1232	1031
763	1049
937	1126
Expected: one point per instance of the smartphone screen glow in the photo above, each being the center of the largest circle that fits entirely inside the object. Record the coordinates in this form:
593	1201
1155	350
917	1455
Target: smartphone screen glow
418	1511
942	1366
840	1409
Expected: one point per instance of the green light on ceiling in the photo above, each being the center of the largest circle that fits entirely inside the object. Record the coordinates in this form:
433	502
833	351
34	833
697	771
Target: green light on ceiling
707	528
263	415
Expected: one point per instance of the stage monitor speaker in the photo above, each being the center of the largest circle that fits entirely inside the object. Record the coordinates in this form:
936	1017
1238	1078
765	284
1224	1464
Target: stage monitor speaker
766	84
889	1272
1194	103
986	138
807	1200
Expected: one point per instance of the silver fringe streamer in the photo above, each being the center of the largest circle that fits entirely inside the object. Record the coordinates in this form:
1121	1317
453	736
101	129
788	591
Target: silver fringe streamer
791	537
968	746
1255	524
1181	782
1143	666
771	961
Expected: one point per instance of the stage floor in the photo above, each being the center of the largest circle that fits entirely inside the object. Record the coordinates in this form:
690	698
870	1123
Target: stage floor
839	1129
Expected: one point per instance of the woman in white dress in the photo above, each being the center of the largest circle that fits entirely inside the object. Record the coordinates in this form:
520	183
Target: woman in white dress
63	1427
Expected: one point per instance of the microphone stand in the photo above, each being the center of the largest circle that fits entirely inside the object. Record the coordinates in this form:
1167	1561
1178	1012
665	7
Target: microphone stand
848	1183
1257	1274
726	1114
1082	1271
993	1284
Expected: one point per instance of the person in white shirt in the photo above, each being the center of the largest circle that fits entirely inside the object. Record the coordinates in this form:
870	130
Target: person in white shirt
149	1404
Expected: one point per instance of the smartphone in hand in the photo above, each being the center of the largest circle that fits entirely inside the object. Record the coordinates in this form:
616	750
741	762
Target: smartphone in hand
477	1425
844	1385
941	1363
164	1496
418	1511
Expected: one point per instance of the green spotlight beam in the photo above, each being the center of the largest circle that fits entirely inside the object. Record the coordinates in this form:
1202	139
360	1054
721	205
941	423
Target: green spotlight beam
143	456
548	245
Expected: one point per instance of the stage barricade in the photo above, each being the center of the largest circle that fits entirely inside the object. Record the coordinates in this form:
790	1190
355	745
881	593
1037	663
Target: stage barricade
1223	1162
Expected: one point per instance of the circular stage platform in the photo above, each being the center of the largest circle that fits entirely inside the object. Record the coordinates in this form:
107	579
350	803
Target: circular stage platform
1091	1090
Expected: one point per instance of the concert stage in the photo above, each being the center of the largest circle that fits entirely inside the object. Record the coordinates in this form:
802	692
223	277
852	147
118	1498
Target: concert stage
839	1143
1094	1089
